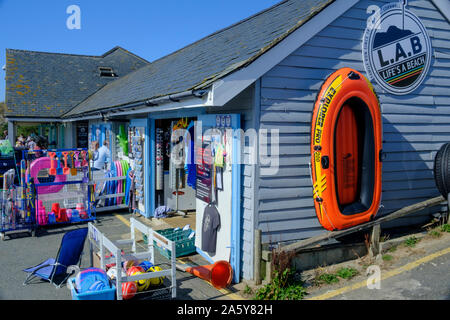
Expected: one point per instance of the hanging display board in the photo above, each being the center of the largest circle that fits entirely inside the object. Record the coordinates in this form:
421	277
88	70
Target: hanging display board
137	135
82	135
203	168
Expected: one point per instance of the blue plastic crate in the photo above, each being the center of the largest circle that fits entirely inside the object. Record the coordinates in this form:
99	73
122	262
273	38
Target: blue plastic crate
107	294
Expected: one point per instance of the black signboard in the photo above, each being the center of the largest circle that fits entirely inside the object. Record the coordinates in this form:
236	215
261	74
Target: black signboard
82	135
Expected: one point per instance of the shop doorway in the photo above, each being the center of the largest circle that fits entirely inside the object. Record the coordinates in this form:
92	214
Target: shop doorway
196	175
174	175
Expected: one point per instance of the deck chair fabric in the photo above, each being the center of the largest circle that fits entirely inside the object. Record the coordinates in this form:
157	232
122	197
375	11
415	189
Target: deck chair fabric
69	254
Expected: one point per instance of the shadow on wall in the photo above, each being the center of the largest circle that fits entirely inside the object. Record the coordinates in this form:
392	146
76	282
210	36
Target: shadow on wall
407	176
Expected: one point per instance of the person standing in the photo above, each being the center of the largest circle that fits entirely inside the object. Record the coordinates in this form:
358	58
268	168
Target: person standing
102	157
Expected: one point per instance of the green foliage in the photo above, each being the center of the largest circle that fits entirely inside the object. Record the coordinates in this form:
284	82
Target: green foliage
3	123
435	233
346	273
445	227
327	278
282	287
27	130
387	257
411	241
392	249
248	290
330	278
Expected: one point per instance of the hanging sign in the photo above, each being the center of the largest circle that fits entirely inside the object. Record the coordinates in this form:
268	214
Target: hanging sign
396	49
82	135
204	178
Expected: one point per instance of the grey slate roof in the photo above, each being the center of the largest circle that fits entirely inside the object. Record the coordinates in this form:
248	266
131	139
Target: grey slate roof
43	84
197	65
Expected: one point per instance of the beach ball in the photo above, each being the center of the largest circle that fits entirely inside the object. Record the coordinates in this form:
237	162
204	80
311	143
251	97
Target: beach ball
129	290
155	281
146	265
141	284
134	269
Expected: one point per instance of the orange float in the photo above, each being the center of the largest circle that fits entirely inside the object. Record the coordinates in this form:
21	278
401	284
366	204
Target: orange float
346	142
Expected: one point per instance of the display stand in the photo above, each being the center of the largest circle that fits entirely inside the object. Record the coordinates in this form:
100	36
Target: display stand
13	216
120	251
137	163
60	178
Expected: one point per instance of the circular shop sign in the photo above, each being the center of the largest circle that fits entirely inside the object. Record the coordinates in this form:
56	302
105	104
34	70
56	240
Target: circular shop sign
396	49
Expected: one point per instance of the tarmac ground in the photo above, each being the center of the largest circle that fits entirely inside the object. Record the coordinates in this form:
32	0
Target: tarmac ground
20	250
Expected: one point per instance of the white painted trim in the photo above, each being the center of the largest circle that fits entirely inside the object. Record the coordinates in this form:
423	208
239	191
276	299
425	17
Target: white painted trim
171	106
444	7
223	90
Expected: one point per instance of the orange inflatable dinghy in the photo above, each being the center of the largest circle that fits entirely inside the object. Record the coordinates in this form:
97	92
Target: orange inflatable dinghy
346	142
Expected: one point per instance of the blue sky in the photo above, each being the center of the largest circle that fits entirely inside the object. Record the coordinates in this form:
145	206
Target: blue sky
151	29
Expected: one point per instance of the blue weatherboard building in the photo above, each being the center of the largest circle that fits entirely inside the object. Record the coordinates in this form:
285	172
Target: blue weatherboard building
264	72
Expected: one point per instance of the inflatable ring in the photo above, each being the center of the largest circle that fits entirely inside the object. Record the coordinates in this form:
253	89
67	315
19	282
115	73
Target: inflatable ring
41	164
346	142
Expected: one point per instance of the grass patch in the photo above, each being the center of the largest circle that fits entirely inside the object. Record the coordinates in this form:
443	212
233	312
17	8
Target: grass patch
346	273
387	257
330	278
282	287
411	242
435	233
392	249
248	290
327	278
445	227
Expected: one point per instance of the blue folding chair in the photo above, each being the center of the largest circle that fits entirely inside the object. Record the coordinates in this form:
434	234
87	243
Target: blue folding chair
69	254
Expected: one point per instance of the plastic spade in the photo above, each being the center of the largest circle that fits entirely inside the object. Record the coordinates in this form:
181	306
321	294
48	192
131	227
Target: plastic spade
77	162
85	174
84	162
52	170
66	169
59	170
73	170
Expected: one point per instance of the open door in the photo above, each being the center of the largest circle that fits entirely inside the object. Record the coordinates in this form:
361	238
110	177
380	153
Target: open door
218	188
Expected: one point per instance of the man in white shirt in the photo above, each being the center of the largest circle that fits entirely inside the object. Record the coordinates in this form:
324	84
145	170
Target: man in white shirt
102	156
